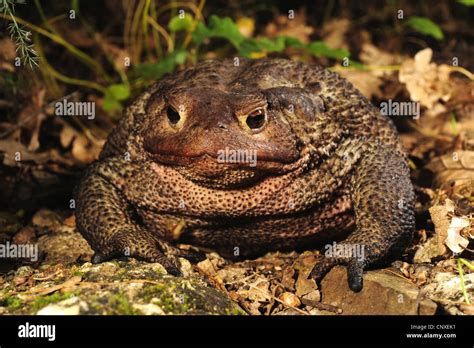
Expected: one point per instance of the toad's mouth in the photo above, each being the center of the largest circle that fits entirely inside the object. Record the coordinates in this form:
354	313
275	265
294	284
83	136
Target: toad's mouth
228	159
226	155
229	170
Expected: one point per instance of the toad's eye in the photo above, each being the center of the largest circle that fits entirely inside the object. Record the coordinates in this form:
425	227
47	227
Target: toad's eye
173	115
256	119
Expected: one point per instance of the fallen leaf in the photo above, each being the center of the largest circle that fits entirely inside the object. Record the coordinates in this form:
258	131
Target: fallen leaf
45	218
334	31
7	49
258	290
83	150
454	241
372	55
284	26
454	172
366	82
70	221
287	279
67	135
24	236
435	247
447	235
427	83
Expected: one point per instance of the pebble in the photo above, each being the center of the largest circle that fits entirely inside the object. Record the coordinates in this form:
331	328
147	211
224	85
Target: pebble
290	299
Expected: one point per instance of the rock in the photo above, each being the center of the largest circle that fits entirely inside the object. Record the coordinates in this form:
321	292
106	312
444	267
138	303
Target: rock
65	248
467	309
149	309
70	306
288	311
314	296
47	219
24	271
447	286
185	266
383	294
19	280
116	288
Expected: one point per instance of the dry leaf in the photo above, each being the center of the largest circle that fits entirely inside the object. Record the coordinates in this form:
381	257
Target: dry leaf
366	82
454	241
454	171
334	32
231	274
435	247
258	290
246	26
287	279
67	135
426	82
7	49
296	27
372	55
83	150
448	230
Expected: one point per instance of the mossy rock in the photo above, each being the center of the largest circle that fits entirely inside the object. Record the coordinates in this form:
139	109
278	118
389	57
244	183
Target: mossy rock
116	288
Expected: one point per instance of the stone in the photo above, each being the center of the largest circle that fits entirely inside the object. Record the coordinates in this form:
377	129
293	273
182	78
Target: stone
384	293
290	299
70	306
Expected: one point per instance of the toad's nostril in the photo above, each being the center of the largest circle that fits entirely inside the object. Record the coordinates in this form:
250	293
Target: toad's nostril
221	126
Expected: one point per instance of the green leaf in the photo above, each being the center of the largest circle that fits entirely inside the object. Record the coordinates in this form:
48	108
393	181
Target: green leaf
224	28
119	91
179	24
248	46
320	49
113	95
276	45
163	66
466	2
294	42
425	26
111	104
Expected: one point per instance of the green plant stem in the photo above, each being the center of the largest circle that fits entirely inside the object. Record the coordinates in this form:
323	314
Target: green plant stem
462	262
76	52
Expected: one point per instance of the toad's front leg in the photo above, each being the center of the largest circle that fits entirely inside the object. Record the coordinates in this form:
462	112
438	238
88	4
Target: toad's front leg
383	200
109	223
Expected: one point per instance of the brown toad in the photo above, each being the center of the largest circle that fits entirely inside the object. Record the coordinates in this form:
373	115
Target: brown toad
268	154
